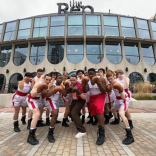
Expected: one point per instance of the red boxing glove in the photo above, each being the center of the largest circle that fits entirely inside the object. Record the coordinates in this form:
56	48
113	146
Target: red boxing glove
118	87
85	80
96	80
41	87
108	88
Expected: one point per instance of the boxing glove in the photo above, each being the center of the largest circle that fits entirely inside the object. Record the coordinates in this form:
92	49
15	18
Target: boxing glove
96	80
118	87
66	84
76	89
108	88
41	87
85	80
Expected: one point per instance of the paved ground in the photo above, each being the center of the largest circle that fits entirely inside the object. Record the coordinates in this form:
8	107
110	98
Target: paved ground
14	144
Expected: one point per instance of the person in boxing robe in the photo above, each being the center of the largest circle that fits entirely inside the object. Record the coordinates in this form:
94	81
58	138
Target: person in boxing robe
125	82
37	78
19	99
34	101
66	100
97	90
78	101
52	103
120	104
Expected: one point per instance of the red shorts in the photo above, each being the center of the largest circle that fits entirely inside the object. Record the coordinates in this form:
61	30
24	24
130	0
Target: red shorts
96	104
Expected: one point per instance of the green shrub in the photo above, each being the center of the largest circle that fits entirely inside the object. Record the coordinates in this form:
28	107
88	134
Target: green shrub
143	96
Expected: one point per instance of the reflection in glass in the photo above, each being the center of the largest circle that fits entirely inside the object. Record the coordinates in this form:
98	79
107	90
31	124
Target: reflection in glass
20	54
1	27
24	29
57	26
10	31
135	77
55	52
75	25
111	26
113	52
2	83
151	78
40	27
5	56
153	24
95	52
132	53
75	52
148	55
93	25
143	28
13	84
37	53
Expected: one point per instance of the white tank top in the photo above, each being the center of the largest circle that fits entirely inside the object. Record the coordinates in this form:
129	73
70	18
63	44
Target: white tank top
79	80
122	82
93	89
26	88
55	97
116	91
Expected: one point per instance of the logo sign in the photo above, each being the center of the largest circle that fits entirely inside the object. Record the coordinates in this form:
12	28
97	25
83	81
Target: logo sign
74	7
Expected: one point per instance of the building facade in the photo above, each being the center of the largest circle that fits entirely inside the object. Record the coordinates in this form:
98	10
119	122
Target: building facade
72	41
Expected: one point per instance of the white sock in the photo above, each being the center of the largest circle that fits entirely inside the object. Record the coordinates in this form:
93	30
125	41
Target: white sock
51	127
15	121
127	127
32	128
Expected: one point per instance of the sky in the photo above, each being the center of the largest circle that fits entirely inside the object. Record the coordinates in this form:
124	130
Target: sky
17	9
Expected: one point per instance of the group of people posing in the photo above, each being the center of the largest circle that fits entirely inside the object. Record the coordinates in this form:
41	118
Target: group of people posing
104	93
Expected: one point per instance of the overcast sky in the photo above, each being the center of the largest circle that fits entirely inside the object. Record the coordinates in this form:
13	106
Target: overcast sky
18	9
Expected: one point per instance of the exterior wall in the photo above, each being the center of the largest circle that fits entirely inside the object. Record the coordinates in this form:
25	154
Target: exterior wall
84	63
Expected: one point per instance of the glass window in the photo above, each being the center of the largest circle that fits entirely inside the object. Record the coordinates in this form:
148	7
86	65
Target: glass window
111	26
24	29
143	29
1	28
55	52
148	55
5	55
132	53
20	54
95	52
127	26
13	84
153	24
40	27
135	77
57	26
75	52
37	53
151	78
75	25
2	83
93	25
113	52
10	31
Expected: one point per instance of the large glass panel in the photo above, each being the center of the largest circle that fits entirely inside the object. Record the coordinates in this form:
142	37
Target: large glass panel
20	54
13	84
93	25
55	52
40	27
151	78
5	56
1	27
127	25
148	55
57	26
10	31
75	52
24	29
37	53
95	52
113	52
111	26
135	77
154	29
144	34
143	28
132	53
2	83
75	25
